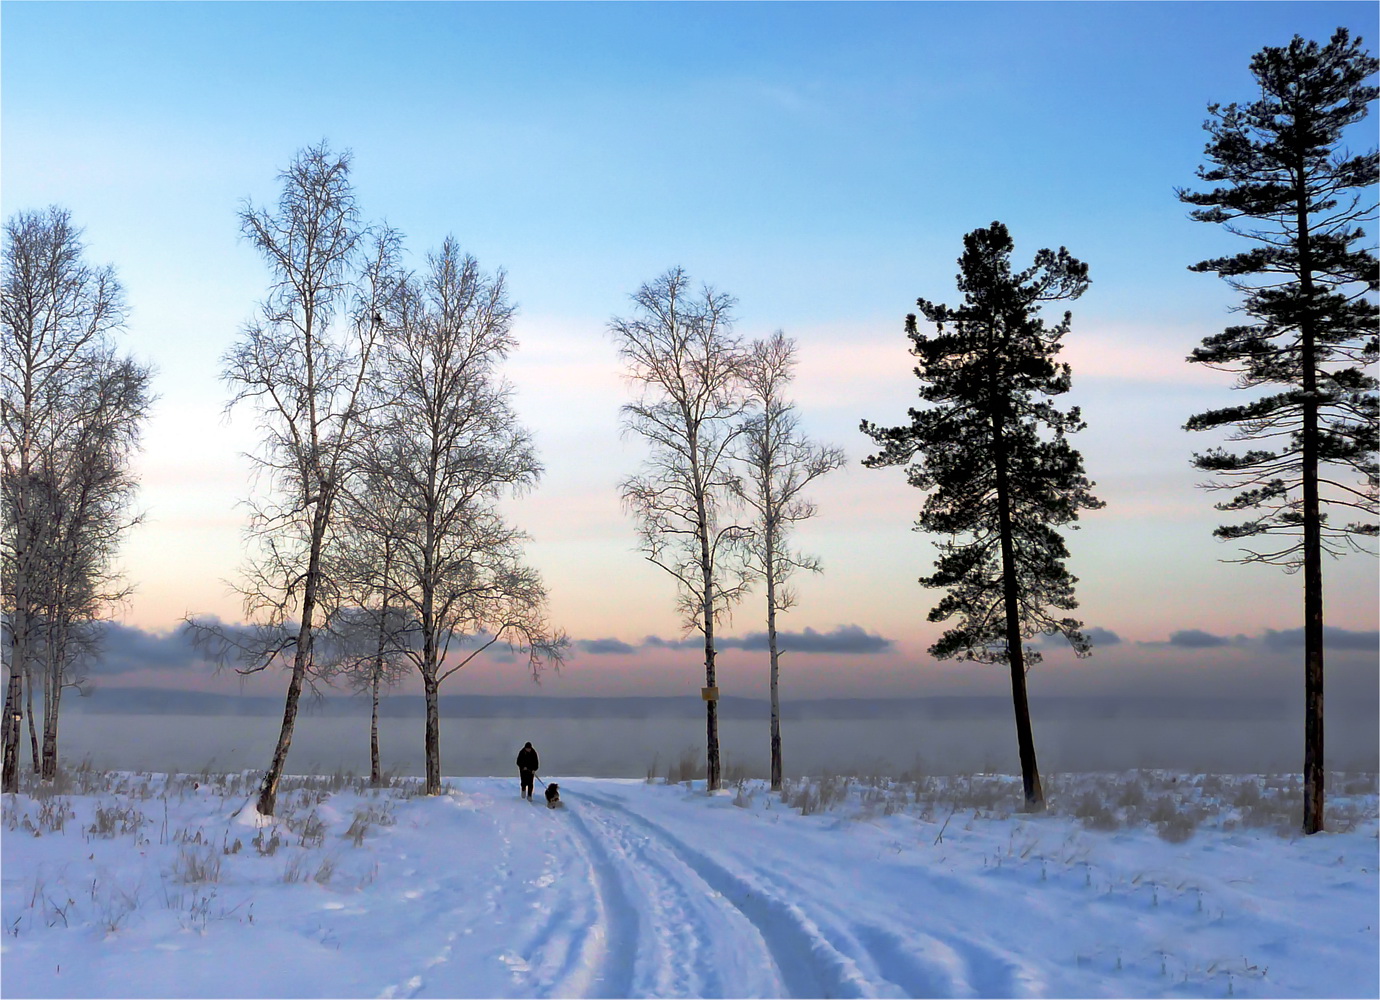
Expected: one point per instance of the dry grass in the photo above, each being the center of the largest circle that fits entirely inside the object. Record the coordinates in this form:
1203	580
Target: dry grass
365	818
196	864
1174	805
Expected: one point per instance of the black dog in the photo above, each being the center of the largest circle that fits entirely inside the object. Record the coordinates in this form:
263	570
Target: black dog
553	795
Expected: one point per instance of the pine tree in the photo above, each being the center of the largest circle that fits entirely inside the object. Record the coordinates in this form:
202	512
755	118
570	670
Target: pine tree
994	455
1286	183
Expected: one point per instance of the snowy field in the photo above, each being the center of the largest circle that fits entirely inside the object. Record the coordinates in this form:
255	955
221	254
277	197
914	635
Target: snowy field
1134	884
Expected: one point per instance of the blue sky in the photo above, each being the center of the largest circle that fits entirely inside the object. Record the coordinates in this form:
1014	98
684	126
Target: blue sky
821	162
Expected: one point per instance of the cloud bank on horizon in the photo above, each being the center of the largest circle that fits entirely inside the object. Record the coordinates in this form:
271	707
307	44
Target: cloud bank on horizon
126	649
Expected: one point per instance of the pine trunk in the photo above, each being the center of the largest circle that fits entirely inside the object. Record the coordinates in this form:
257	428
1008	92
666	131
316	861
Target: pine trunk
1015	650
1314	773
770	566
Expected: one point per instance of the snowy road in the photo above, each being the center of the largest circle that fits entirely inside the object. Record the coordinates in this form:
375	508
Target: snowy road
638	890
779	928
602	899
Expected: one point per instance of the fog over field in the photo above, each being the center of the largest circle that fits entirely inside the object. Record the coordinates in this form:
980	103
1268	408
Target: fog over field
627	737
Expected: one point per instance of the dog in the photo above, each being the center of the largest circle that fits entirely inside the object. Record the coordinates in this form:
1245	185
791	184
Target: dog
553	795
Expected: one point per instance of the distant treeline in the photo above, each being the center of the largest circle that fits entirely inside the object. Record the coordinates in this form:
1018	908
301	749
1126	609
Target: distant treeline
155	701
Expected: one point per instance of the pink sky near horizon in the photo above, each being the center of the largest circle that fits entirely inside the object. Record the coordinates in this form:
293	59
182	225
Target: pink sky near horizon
1147	563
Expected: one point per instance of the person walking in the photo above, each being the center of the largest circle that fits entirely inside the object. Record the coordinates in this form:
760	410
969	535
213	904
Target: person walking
527	768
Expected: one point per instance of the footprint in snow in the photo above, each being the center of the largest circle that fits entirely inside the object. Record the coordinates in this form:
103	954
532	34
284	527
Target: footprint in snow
409	987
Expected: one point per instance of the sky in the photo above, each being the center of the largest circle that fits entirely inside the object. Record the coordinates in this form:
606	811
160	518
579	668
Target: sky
819	162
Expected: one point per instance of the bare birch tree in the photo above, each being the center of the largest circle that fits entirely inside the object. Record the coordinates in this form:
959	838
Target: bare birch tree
779	462
369	629
302	364
87	487
451	449
70	414
687	366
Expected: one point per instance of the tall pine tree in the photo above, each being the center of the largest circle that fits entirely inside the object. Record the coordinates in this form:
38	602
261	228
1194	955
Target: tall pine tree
1285	182
994	456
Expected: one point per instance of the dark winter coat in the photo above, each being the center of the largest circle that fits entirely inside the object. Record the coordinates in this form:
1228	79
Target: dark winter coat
527	759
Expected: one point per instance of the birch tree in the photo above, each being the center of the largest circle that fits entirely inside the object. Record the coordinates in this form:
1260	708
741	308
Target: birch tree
687	365
449	448
779	462
86	488
301	364
368	629
70	413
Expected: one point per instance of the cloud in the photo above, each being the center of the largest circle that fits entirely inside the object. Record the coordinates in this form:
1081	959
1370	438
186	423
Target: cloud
843	639
126	648
1099	637
1102	636
1333	638
1192	638
1274	641
689	642
614	646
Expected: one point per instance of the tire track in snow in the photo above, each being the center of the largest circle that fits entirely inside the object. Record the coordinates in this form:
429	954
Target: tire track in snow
918	962
693	942
940	972
809	964
610	966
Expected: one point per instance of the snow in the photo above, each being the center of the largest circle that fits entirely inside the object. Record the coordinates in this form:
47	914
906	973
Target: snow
1142	884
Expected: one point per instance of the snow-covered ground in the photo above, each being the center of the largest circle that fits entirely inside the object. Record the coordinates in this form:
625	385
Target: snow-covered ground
1140	884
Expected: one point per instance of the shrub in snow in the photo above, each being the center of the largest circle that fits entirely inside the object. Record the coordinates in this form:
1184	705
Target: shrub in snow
685	768
114	820
1131	794
1364	784
197	863
1177	828
1092	809
1247	794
